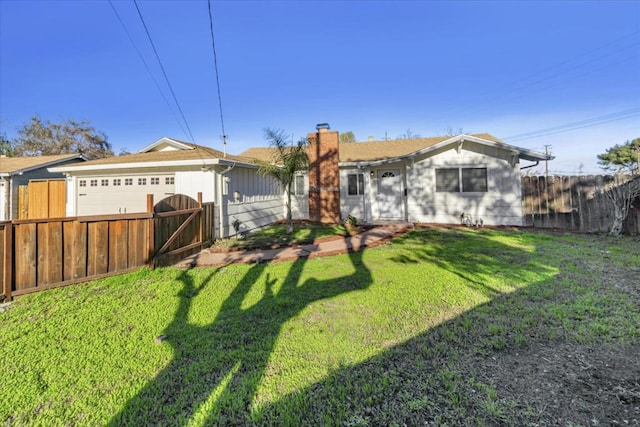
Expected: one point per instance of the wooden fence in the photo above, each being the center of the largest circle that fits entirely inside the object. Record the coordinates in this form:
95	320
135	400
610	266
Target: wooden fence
46	253
573	203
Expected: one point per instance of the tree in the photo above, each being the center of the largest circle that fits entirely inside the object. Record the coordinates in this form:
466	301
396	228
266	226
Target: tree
287	161
347	137
409	135
38	138
6	146
621	157
622	191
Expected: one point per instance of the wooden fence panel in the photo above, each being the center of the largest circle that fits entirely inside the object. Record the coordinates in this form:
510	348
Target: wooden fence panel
43	253
118	244
75	250
25	259
57	199
572	203
98	248
23	202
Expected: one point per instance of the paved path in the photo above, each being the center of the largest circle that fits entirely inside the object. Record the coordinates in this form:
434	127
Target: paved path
372	237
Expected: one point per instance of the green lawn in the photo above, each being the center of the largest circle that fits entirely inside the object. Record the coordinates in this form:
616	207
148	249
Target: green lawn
411	332
276	235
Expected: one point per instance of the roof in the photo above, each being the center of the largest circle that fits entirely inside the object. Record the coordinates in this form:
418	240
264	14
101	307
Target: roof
165	152
377	151
16	165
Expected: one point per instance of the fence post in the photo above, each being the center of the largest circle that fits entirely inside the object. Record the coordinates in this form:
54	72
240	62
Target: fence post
7	271
201	219
151	231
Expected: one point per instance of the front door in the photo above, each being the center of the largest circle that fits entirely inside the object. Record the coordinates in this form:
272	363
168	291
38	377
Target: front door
389	194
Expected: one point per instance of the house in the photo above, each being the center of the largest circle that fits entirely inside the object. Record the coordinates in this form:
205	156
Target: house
118	185
422	180
45	189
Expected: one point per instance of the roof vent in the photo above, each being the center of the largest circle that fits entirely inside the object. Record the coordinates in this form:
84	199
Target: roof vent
371	138
322	126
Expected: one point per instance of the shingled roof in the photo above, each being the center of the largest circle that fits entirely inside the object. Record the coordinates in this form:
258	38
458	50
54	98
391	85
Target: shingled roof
195	152
371	150
12	165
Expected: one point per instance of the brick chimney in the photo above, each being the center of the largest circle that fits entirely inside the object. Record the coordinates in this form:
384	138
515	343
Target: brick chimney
324	176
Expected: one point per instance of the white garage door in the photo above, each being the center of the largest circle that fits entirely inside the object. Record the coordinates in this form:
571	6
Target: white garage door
105	195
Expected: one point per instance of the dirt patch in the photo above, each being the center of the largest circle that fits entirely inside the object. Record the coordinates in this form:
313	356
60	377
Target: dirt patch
564	384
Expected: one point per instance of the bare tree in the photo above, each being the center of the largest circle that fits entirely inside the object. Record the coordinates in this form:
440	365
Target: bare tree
41	138
622	191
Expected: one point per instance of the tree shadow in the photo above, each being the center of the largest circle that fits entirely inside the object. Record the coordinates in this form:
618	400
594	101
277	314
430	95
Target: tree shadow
218	384
485	366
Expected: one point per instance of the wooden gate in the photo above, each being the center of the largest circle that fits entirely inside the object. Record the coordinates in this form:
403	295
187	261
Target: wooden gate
180	228
42	199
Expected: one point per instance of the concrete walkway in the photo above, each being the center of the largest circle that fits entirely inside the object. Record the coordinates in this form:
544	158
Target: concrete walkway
372	237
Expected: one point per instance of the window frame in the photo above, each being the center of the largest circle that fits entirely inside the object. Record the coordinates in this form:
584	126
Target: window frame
463	176
359	184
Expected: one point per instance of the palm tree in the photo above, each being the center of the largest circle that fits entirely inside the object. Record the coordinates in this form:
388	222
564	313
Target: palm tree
287	161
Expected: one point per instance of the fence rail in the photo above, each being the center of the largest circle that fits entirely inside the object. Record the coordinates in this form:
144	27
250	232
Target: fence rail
46	253
573	203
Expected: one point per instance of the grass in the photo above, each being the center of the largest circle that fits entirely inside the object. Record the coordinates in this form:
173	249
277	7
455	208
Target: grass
276	236
401	334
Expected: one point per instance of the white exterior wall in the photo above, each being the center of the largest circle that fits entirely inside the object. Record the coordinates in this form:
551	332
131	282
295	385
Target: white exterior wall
191	183
300	202
252	212
360	206
4	189
499	205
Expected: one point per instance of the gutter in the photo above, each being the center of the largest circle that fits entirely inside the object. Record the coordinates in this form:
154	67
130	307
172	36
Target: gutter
530	166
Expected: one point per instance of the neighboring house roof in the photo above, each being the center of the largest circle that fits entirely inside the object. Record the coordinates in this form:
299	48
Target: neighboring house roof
391	150
17	165
164	152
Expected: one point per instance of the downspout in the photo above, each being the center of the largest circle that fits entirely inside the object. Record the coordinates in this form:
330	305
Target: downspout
220	198
530	166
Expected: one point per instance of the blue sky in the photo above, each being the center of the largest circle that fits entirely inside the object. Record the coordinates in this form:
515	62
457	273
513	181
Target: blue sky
372	67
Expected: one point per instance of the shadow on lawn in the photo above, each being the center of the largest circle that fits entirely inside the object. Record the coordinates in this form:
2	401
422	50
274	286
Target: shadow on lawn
530	357
217	384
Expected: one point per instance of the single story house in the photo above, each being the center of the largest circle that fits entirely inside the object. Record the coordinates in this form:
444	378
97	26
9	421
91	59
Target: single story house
31	172
475	178
118	185
422	180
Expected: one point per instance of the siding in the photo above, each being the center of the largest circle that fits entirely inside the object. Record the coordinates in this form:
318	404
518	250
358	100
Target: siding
500	205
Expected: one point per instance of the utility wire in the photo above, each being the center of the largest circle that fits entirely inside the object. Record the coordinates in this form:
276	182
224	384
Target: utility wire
510	93
148	69
163	71
594	121
215	64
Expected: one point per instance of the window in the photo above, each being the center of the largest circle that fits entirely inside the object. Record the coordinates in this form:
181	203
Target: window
168	180
447	180
155	181
474	179
128	181
355	184
94	182
298	185
82	183
104	182
117	181
142	181
466	180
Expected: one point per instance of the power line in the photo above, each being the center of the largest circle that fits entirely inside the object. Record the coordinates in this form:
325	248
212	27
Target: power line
163	71
512	94
215	64
148	69
594	121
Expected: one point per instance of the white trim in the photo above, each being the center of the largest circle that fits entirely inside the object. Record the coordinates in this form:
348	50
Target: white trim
166	140
164	164
521	152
